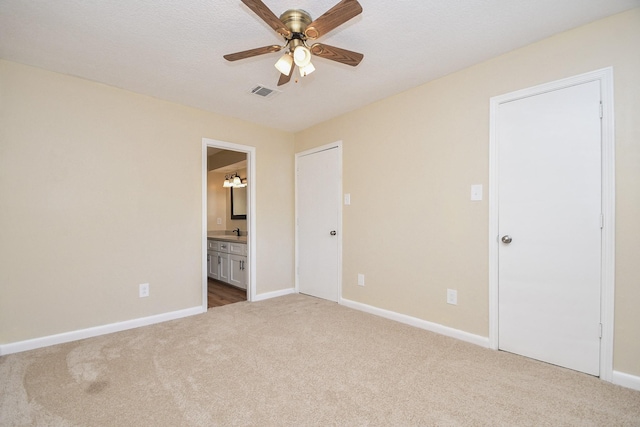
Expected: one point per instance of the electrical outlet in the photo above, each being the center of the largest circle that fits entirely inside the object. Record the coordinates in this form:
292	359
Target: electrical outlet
452	296
143	290
219	221
360	279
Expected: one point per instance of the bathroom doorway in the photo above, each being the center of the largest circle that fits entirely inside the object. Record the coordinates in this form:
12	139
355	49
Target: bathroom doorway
228	220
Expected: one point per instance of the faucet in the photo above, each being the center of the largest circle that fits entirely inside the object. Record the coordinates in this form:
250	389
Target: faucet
237	230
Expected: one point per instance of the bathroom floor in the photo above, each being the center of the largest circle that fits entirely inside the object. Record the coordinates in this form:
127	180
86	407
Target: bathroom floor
219	294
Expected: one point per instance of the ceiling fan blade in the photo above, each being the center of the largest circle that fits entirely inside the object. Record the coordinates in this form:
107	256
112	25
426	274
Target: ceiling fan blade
332	18
252	52
267	16
284	79
337	54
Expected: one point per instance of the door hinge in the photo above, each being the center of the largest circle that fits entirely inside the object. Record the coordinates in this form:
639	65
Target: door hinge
601	110
601	221
600	333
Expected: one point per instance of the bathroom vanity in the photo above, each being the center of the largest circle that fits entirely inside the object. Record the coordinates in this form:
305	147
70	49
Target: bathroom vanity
227	259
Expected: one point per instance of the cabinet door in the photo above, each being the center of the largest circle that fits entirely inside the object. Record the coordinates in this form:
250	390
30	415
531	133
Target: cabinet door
223	267
237	271
212	265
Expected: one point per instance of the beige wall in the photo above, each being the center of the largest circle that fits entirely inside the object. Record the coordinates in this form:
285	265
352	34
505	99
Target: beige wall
216	202
101	190
416	238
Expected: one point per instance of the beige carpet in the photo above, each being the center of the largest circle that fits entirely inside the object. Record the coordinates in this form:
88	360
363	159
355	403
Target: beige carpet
296	361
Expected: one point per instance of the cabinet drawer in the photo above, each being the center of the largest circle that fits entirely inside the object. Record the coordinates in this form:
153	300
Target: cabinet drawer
212	245
238	248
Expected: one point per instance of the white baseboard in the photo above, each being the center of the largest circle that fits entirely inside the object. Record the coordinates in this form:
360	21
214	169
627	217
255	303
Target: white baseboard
32	344
274	294
418	323
626	380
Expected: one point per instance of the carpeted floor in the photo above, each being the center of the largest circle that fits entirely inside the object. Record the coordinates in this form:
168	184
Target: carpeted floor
296	361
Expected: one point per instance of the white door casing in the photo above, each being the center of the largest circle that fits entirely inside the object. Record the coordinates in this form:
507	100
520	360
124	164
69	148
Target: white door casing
552	286
318	222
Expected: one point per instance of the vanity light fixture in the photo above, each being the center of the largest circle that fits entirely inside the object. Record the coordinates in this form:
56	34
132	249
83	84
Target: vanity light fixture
234	180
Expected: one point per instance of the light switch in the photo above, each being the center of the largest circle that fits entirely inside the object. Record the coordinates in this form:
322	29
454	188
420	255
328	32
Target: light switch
476	192
347	199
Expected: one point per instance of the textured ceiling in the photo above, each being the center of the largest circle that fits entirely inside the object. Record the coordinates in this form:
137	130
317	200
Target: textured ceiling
172	49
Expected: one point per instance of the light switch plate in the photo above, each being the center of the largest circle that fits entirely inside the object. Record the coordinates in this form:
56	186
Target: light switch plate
347	199
452	296
476	192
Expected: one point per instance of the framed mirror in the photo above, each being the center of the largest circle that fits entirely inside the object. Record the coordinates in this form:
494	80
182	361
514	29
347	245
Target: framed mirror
238	202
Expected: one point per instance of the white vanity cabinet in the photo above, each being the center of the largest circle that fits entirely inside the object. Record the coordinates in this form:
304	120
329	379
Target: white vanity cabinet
227	262
212	265
237	269
223	267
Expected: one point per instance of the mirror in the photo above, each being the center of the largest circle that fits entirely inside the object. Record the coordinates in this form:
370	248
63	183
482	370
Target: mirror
238	202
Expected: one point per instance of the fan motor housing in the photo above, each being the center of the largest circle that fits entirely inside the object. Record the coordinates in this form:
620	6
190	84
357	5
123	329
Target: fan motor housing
296	20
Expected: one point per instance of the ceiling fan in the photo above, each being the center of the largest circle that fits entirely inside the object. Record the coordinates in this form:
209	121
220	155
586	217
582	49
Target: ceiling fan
297	28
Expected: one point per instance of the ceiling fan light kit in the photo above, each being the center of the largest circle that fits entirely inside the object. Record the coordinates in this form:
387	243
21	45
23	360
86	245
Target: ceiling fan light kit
284	64
296	26
302	56
306	70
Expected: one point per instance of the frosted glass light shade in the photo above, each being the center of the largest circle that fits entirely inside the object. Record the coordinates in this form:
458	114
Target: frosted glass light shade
307	69
236	181
302	56
284	64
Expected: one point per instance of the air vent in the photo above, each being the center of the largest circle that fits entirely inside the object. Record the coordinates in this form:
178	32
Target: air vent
264	92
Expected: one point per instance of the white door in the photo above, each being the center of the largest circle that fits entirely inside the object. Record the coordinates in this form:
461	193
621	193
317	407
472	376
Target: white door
549	197
318	196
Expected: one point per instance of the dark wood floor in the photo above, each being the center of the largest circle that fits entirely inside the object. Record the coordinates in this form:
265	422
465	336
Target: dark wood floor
219	294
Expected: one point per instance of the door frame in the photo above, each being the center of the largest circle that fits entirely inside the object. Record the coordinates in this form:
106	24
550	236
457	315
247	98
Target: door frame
605	77
337	145
251	209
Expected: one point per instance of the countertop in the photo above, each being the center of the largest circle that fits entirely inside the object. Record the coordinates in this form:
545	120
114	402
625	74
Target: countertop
227	238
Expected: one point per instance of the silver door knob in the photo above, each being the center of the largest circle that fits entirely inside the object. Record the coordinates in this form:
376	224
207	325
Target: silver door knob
506	239
333	233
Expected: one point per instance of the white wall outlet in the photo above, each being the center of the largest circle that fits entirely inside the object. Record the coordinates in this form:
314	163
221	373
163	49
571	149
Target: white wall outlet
476	192
347	199
360	279
143	290
219	221
452	296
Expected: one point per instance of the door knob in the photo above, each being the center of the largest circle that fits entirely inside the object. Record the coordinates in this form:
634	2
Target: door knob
506	239
333	233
